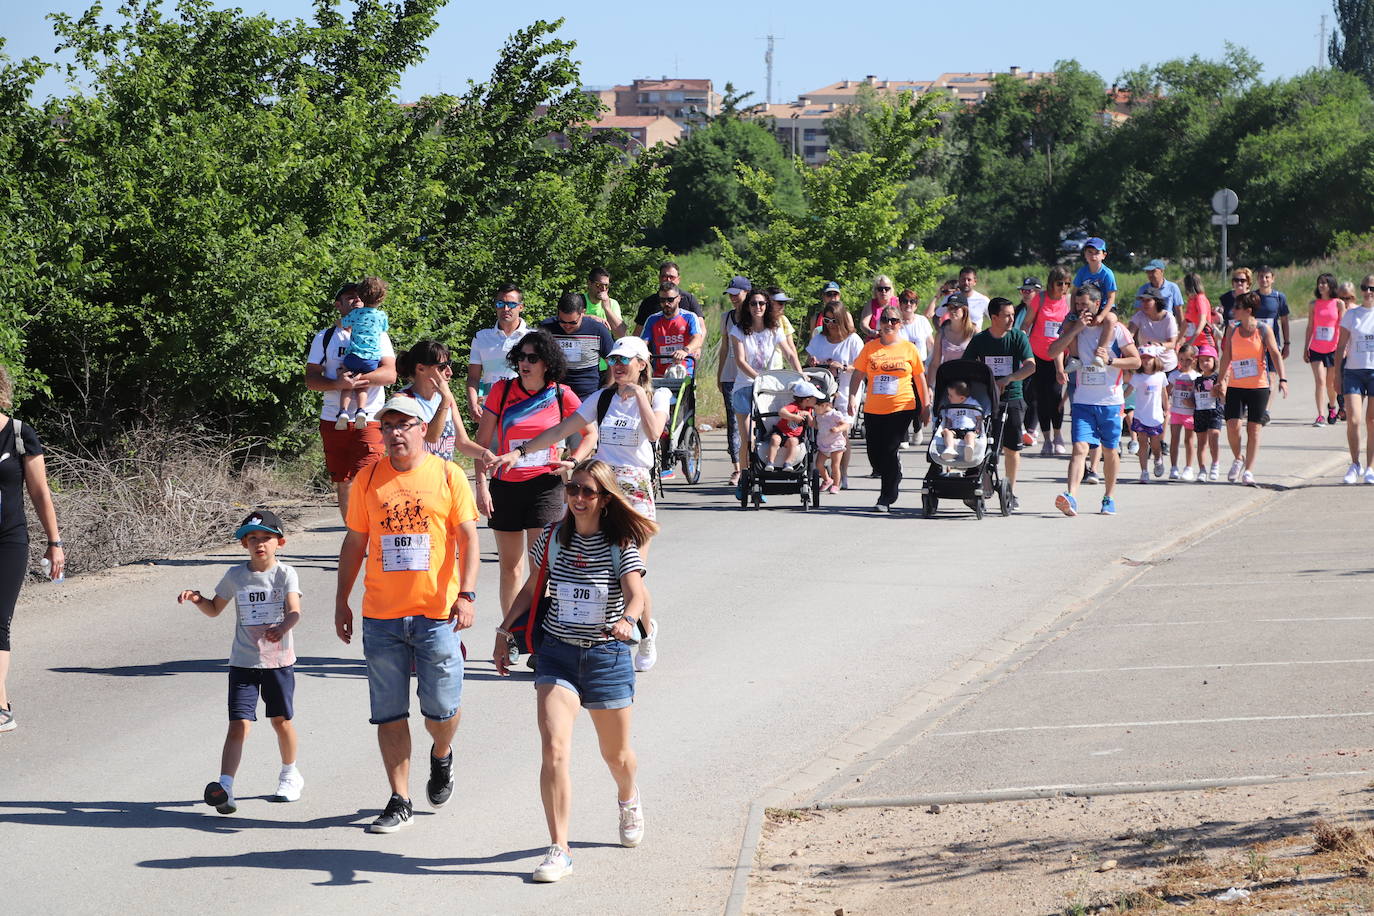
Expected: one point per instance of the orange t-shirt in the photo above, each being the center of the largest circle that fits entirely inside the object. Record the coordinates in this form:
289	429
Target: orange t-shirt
411	520
1247	360
890	370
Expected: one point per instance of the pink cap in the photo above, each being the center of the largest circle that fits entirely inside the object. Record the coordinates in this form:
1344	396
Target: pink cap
1207	350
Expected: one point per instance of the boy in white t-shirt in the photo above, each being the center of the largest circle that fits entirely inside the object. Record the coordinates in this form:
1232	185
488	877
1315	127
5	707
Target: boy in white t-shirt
959	419
267	605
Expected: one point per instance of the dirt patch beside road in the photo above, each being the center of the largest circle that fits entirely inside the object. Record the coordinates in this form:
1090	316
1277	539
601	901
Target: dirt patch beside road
1283	847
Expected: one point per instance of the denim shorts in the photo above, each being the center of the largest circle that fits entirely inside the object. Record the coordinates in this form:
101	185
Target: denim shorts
358	364
391	646
602	676
742	400
1358	381
1097	424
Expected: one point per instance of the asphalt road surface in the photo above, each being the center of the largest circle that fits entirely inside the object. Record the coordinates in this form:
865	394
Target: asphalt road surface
785	636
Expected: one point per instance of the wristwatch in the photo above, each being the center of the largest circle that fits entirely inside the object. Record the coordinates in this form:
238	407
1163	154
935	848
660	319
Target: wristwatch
471	596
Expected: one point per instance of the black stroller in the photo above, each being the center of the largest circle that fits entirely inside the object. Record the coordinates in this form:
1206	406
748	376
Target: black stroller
977	479
771	392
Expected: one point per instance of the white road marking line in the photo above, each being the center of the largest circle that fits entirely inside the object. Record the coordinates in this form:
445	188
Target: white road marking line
1115	750
1143	724
1198	623
1213	584
1332	661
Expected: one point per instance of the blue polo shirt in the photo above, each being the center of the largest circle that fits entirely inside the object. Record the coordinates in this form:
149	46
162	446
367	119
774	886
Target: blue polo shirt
1104	279
1173	297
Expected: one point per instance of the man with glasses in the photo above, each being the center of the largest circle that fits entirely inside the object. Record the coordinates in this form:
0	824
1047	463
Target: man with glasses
414	521
674	336
667	273
600	305
584	342
487	363
347	451
977	302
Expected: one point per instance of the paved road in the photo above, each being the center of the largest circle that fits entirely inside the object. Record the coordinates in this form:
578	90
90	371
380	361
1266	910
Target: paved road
763	682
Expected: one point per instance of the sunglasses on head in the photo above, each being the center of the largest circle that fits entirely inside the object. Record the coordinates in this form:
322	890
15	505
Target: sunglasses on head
525	356
576	489
619	360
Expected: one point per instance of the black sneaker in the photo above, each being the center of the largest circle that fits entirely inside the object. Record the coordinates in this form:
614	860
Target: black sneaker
397	815
439	789
1264	420
1012	502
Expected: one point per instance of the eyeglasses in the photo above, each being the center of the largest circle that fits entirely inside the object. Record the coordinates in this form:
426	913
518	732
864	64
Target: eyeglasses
575	490
662	301
509	305
883	288
1367	289
907	301
389	429
619	360
1239	280
892	321
525	356
1062	283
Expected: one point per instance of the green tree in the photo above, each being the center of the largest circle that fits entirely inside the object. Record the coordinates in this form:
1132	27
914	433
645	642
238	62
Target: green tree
707	191
854	225
1352	44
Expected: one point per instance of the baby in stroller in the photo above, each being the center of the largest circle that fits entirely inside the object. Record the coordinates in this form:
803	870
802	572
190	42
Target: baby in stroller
960	419
793	419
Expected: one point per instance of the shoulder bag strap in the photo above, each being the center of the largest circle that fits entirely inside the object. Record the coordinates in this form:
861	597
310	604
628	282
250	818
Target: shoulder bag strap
603	404
18	435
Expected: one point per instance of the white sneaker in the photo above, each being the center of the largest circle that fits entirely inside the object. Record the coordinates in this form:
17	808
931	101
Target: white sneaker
844	481
1236	467
360	420
289	786
1059	447
647	656
1174	474
1188	474
948	452
966	453
1352	474
1369	475
557	864
631	821
341	421
1214	474
1159	468
1247	479
1144	476
1133	447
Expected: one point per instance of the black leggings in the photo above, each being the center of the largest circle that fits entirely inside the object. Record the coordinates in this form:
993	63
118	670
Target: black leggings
14	562
1049	397
883	435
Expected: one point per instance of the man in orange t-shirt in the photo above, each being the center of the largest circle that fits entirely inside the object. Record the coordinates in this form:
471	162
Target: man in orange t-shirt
413	518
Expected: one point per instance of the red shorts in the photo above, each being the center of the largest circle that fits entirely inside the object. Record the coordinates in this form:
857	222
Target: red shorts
348	451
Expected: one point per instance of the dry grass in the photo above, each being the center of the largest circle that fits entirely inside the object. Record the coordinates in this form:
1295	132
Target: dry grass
158	493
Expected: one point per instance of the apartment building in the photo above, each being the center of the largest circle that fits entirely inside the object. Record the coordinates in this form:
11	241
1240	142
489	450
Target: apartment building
688	102
639	131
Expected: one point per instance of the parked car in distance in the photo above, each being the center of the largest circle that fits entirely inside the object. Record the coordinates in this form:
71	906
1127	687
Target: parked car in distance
1073	241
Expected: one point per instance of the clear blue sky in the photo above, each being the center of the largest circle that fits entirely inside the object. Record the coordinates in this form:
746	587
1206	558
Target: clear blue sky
818	43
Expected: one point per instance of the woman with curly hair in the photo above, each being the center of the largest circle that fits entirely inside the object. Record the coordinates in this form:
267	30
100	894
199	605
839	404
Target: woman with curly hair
523	499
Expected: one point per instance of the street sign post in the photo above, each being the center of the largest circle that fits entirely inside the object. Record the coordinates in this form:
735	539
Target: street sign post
1224	204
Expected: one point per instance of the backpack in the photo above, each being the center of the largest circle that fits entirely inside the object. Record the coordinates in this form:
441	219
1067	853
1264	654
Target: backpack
530	625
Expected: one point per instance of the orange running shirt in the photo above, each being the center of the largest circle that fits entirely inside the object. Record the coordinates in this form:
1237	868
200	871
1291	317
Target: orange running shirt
411	520
889	370
1247	360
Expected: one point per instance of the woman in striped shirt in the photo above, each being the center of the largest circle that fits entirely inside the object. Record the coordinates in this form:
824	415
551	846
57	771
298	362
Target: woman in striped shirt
590	568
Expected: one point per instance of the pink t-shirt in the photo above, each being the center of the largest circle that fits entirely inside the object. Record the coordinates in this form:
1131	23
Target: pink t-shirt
828	439
521	417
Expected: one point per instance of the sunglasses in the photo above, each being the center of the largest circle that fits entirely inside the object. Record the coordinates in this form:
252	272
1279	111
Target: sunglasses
575	490
525	356
883	288
1367	289
509	305
447	364
830	320
907	301
662	301
619	360
1239	280
892	321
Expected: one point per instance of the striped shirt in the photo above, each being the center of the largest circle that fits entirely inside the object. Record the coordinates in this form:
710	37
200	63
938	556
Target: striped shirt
582	573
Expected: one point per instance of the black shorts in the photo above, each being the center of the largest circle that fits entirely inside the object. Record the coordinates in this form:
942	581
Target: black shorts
1205	421
276	685
1326	359
1013	424
519	505
1250	401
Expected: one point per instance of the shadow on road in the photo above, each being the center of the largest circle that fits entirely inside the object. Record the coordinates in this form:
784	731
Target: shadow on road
310	666
348	866
186	815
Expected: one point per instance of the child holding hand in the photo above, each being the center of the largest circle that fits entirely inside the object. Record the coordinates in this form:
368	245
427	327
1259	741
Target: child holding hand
267	604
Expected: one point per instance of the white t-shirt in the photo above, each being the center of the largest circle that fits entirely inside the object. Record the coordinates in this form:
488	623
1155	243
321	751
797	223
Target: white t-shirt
846	351
1161	331
331	363
621	438
1101	387
1359	321
759	347
489	349
1149	397
920	332
977	308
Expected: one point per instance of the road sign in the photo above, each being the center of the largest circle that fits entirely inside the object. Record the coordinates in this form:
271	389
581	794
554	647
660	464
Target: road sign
1230	219
1225	201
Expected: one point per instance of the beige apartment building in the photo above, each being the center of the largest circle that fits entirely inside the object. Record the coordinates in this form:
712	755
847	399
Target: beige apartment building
639	131
688	102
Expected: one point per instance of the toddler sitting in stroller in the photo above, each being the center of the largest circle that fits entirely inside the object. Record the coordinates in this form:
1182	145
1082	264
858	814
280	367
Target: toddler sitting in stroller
960	418
792	422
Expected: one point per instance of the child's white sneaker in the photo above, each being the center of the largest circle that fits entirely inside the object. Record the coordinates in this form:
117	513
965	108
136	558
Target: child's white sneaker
949	452
341	421
289	785
1174	473
1144	476
360	420
1188	474
967	452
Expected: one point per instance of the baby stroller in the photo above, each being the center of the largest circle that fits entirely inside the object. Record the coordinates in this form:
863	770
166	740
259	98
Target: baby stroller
772	390
680	442
976	480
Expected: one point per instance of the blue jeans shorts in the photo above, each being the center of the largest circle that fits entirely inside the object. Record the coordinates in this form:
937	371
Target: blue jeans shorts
742	400
358	364
391	646
602	676
1358	381
1097	424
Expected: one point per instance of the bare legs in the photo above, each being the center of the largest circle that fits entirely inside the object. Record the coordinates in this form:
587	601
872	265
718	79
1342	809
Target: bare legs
394	740
558	708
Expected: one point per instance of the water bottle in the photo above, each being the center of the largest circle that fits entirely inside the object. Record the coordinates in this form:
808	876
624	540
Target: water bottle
47	571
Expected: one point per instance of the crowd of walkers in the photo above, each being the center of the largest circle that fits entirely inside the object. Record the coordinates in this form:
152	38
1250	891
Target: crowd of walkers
568	417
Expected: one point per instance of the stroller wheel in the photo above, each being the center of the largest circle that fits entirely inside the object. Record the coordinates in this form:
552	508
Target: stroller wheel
980	507
691	455
929	505
1004	498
